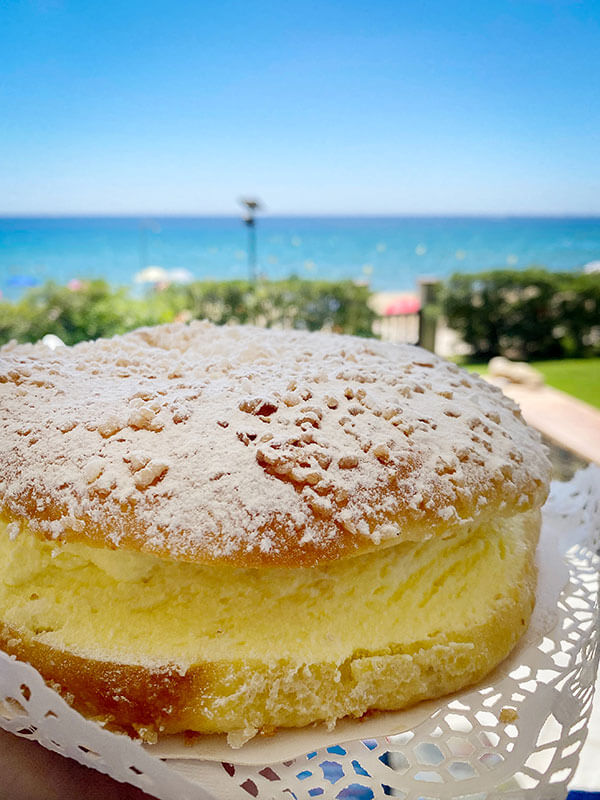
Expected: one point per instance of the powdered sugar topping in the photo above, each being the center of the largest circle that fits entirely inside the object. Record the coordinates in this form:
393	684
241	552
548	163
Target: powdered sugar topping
258	446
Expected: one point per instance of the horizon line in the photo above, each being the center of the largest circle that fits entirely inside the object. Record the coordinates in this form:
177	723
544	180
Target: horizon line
299	215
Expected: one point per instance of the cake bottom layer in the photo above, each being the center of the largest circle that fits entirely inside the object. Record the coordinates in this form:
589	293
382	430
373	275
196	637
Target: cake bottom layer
157	646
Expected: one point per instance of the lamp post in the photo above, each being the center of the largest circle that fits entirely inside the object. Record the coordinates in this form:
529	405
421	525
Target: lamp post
251	206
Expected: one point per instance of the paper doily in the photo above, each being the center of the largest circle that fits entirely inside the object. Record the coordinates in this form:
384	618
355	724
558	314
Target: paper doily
543	695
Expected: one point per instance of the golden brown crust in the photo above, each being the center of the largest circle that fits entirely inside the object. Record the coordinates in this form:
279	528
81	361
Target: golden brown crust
253	447
127	695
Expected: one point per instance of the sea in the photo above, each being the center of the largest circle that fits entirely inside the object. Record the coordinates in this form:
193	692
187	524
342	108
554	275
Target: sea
388	253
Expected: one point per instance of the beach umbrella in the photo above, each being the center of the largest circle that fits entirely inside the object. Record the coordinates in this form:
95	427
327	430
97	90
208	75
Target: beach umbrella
151	275
22	281
407	304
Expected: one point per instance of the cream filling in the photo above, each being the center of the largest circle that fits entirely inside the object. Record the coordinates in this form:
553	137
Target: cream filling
133	607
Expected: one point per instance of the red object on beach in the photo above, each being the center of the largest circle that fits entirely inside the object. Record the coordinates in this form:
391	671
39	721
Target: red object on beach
403	305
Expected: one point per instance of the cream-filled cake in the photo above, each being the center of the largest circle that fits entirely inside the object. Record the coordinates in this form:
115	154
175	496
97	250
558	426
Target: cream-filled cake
235	530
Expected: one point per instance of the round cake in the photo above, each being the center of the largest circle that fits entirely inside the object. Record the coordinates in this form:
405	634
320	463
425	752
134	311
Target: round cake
232	530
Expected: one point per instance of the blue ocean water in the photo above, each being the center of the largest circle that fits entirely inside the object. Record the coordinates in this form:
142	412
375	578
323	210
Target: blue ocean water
390	253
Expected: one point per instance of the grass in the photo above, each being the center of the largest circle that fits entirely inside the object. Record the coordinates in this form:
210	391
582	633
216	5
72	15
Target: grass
579	377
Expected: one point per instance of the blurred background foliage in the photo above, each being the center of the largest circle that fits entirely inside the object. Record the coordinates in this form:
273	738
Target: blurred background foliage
91	309
525	314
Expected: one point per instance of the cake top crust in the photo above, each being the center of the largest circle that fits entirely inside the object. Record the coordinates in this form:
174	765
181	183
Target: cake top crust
255	447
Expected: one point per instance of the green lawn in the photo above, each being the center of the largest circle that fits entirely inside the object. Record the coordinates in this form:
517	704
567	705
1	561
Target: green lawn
578	376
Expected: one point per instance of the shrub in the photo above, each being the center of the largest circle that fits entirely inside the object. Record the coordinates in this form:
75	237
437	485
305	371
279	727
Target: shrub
94	309
341	306
529	314
88	312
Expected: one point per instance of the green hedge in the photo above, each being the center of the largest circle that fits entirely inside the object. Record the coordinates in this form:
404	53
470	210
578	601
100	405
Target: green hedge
95	309
529	314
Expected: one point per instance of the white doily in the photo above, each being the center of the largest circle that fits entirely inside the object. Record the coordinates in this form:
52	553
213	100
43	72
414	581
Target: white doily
462	750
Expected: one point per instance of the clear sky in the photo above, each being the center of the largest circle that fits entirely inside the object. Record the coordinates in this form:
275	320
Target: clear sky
356	106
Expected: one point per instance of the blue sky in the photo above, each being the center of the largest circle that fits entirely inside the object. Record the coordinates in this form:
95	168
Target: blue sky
429	106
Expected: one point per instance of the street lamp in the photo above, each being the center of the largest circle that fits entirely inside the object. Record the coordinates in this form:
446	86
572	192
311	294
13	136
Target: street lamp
251	206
